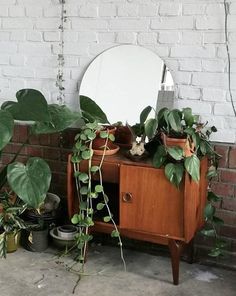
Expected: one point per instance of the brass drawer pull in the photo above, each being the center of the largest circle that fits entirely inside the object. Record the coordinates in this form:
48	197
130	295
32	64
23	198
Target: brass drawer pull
127	197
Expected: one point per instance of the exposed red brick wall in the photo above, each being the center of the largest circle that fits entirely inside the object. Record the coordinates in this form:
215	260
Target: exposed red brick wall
56	147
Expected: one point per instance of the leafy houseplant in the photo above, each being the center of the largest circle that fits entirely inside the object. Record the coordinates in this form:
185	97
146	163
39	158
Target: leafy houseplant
30	182
182	142
184	155
11	223
91	196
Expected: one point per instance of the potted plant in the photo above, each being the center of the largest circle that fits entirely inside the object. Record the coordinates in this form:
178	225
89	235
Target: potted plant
11	222
39	221
184	142
91	196
180	142
30	181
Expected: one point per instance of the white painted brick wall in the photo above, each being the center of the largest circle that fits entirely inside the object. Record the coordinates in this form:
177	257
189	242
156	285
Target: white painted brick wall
187	34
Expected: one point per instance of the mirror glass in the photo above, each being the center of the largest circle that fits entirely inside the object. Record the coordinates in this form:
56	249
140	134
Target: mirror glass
123	80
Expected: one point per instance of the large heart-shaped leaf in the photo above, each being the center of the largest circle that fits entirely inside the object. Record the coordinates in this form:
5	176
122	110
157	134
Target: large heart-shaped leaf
31	181
174	173
209	211
31	106
159	157
144	114
188	116
61	118
91	111
192	166
174	120
175	152
6	128
150	127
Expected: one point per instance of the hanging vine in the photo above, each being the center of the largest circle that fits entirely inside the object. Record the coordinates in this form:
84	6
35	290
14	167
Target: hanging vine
61	60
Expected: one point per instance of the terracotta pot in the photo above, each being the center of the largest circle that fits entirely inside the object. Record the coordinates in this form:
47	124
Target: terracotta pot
183	143
99	142
123	137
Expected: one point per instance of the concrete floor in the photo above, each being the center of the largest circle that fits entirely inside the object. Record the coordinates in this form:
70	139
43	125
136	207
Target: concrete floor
34	274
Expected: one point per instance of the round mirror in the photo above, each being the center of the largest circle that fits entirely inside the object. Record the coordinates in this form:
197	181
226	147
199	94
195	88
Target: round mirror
123	80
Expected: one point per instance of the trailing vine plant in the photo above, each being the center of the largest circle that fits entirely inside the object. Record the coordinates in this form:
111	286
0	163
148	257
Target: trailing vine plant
212	222
89	192
60	58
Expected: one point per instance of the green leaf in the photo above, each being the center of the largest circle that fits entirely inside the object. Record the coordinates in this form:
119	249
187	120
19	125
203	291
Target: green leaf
175	152
98	188
174	120
188	116
216	252
87	154
91	111
83	205
31	106
217	220
192	166
174	173
92	125
103	134
203	147
94	168
212	172
93	195
209	211
115	233
6	128
75	219
30	182
111	137
61	118
196	140
161	117
100	206
84	190
83	177
150	127
159	157
89	221
83	137
211	196
208	232
107	219
91	136
144	114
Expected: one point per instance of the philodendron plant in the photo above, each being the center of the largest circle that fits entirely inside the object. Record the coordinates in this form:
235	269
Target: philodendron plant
182	124
30	181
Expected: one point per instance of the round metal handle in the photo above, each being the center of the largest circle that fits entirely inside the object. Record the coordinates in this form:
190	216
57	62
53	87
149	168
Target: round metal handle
127	197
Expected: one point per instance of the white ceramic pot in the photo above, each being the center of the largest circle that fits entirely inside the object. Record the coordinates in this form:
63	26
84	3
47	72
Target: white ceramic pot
67	231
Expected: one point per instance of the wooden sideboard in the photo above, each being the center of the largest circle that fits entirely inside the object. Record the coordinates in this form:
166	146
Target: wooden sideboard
147	206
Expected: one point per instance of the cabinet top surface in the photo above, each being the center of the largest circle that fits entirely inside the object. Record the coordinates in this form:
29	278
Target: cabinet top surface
122	158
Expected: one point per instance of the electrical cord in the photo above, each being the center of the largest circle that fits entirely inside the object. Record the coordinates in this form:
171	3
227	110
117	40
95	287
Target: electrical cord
226	8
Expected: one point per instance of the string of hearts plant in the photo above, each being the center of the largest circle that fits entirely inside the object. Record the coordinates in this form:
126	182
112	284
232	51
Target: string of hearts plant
88	191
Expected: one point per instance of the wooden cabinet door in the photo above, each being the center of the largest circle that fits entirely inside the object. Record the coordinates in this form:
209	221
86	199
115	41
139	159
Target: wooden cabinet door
149	203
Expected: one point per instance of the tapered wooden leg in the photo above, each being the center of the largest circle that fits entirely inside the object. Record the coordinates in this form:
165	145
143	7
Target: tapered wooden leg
176	248
188	253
